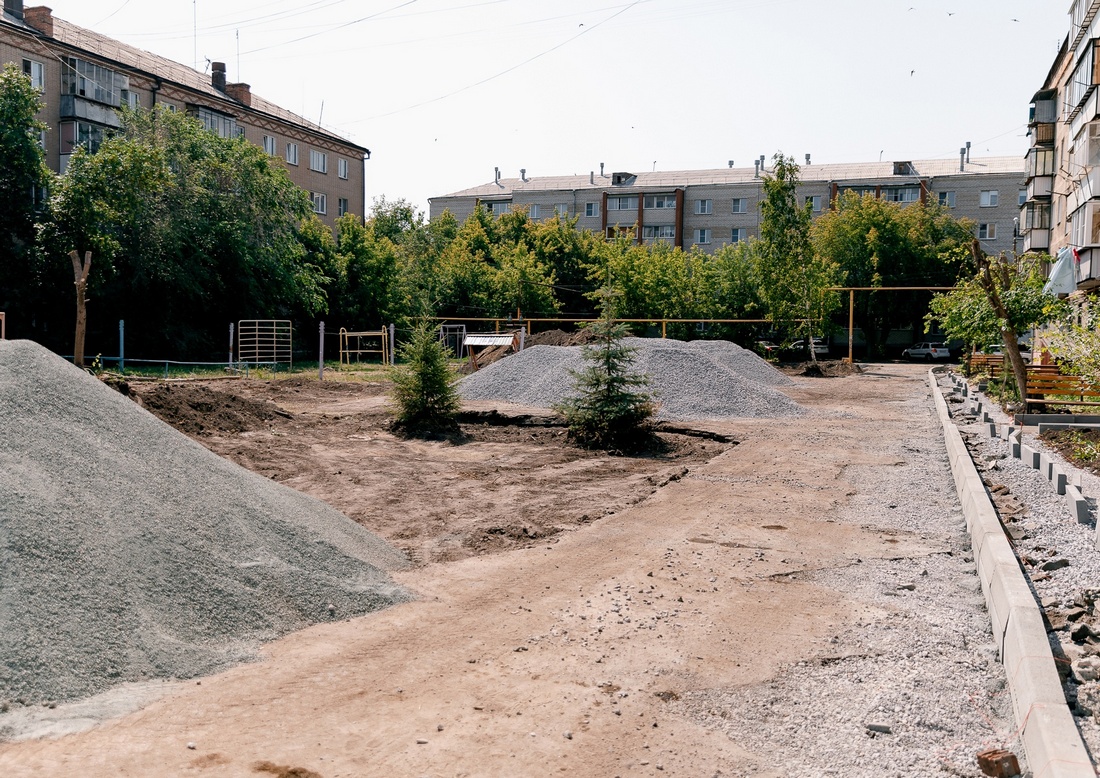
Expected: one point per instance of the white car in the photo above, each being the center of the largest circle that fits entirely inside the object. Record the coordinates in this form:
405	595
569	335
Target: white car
821	346
927	351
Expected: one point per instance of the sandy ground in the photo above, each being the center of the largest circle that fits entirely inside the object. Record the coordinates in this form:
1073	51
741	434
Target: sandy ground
539	652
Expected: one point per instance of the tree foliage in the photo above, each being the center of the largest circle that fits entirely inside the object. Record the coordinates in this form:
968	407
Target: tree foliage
793	278
611	410
877	243
23	175
424	386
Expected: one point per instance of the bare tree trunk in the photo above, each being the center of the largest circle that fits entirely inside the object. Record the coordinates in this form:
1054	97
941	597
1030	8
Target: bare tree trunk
80	274
1008	334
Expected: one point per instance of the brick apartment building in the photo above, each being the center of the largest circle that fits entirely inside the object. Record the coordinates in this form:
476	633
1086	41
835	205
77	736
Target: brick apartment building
85	76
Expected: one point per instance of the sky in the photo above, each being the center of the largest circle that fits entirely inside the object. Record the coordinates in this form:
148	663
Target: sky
444	91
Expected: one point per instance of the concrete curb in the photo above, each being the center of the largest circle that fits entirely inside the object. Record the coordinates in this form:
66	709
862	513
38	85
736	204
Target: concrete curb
1053	744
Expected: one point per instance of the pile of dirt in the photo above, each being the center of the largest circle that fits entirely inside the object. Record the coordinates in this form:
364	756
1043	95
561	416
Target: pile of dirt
129	552
826	368
199	410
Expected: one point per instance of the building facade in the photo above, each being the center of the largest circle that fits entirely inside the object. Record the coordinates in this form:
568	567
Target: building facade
85	77
714	208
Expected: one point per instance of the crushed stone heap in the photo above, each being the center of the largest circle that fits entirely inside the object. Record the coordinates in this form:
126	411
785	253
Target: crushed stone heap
129	552
701	379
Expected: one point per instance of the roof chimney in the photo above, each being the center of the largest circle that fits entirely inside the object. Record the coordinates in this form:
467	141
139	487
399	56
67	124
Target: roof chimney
731	163
217	75
962	159
968	151
592	177
807	159
40	17
523	174
601	170
756	168
496	175
14	7
242	93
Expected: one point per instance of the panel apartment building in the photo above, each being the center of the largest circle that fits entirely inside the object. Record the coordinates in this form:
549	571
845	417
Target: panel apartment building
1062	210
713	208
84	77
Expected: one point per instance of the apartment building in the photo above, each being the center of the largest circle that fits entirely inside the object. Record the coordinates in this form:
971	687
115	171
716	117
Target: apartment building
1062	210
714	208
85	77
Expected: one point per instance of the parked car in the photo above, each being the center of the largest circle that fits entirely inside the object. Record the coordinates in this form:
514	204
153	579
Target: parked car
999	349
766	348
927	351
821	346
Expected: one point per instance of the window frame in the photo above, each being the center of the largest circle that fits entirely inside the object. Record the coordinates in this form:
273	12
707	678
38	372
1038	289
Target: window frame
704	236
814	201
739	205
341	206
946	198
989	198
659	202
28	70
271	145
320	202
704	207
592	210
291	151
987	231
318	161
342	168
739	235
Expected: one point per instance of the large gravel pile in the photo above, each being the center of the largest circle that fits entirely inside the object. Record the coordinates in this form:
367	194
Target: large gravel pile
129	552
690	380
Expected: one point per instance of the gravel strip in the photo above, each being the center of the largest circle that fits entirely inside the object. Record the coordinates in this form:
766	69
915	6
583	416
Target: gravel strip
1047	535
128	552
915	687
690	380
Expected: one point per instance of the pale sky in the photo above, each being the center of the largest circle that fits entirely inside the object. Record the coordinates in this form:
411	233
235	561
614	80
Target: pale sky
443	91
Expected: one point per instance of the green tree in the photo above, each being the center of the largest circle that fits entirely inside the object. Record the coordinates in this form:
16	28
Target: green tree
611	411
424	386
23	177
370	296
1003	297
188	230
878	243
793	279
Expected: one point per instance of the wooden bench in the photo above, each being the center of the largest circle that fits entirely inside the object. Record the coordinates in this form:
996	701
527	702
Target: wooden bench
1049	388
991	364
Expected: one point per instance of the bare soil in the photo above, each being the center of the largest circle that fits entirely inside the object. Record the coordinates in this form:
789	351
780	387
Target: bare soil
567	599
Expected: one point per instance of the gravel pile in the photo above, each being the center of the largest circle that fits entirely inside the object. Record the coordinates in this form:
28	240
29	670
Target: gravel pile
128	552
690	380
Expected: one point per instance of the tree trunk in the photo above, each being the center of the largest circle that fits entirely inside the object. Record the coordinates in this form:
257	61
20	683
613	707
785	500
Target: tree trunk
1008	334
80	275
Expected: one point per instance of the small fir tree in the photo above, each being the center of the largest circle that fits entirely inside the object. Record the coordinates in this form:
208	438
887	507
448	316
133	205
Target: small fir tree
610	411
424	387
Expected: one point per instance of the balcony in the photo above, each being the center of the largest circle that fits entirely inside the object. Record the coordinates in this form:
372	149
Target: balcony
1036	240
1088	268
1039	187
1042	133
77	107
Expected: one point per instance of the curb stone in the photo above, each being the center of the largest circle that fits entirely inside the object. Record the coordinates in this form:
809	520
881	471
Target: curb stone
1051	740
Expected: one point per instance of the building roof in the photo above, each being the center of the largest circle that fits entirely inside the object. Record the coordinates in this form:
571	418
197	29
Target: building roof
809	174
167	70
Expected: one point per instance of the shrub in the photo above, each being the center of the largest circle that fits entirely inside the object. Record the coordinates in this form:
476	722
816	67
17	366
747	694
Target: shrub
424	386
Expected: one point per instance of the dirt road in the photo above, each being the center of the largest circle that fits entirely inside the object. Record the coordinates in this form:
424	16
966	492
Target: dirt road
569	654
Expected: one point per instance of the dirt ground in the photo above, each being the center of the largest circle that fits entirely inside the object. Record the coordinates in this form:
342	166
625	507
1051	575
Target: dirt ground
566	598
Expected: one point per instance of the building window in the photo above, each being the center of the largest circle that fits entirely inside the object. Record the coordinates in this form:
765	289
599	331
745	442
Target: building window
42	139
561	210
92	82
73	134
901	194
37	73
591	210
533	211
739	235
702	236
989	198
1021	197
1085	224
341	206
221	124
658	232
814	201
623	203
1040	162
500	207
342	168
987	231
660	201
292	153
318	160
1036	216
740	205
704	207
320	202
130	99
269	145
947	199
